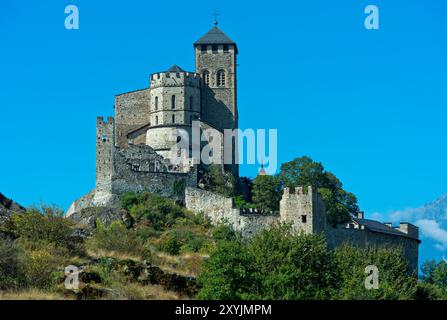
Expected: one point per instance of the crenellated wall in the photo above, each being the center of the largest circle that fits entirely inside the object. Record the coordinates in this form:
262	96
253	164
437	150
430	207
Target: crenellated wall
305	211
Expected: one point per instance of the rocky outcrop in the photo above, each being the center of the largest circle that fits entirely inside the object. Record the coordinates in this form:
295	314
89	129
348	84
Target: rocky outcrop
7	208
87	217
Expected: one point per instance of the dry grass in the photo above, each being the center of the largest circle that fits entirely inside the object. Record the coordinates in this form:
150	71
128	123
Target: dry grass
99	253
186	265
135	291
32	294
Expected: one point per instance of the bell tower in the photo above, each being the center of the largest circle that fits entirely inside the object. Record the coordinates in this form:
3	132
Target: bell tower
216	61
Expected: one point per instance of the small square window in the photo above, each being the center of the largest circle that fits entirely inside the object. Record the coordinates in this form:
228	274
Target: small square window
203	48
215	47
225	48
303	218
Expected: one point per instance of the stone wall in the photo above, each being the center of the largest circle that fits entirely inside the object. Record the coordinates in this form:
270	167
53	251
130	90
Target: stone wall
139	168
304	209
294	205
220	209
132	110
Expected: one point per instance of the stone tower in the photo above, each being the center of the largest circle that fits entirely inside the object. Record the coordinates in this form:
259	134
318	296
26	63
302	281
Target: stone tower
105	147
216	61
174	104
304	210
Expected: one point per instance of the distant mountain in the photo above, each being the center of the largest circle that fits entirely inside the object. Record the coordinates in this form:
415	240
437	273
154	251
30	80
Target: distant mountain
436	210
7	207
432	222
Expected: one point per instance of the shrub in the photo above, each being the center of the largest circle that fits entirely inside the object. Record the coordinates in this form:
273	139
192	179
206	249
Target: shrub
44	225
159	211
44	267
116	238
11	274
170	243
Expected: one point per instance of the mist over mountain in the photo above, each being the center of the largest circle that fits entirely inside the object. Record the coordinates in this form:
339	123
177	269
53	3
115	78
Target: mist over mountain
431	219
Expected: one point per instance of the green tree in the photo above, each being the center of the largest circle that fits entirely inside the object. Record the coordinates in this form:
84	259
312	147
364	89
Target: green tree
275	264
290	266
217	180
435	274
227	274
266	193
395	281
305	172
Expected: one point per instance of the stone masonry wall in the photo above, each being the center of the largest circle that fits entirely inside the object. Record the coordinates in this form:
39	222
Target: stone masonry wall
132	110
303	209
140	168
220	209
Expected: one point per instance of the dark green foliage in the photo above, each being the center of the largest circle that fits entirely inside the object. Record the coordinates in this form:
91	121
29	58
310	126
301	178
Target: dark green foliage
227	273
289	266
273	265
267	193
435	275
182	240
278	264
240	202
158	211
217	180
179	187
395	282
306	172
117	238
11	274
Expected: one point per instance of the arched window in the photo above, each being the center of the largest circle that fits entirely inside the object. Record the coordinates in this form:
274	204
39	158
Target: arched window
173	118
221	78
156	120
173	102
206	77
156	103
191	102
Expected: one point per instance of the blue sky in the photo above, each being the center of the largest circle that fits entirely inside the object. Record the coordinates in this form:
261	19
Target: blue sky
370	105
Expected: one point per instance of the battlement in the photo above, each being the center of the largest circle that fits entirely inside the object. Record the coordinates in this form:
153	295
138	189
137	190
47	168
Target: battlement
298	191
251	211
100	120
175	79
213	49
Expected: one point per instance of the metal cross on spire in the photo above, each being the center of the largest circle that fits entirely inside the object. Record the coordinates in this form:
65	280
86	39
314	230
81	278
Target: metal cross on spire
215	15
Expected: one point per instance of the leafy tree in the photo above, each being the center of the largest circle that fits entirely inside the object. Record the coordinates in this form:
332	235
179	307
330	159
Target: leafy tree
266	193
217	180
227	274
306	172
290	266
275	264
395	282
435	274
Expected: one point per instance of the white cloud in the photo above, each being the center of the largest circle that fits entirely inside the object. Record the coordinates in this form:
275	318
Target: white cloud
433	230
409	214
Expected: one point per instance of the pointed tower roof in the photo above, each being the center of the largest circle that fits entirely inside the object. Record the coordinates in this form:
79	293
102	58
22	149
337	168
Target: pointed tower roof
175	68
262	171
215	36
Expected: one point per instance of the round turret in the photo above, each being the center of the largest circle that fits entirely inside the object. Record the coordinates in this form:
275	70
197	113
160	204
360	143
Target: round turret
174	104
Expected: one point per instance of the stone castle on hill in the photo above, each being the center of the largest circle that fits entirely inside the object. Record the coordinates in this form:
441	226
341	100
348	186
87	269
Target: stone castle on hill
133	153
